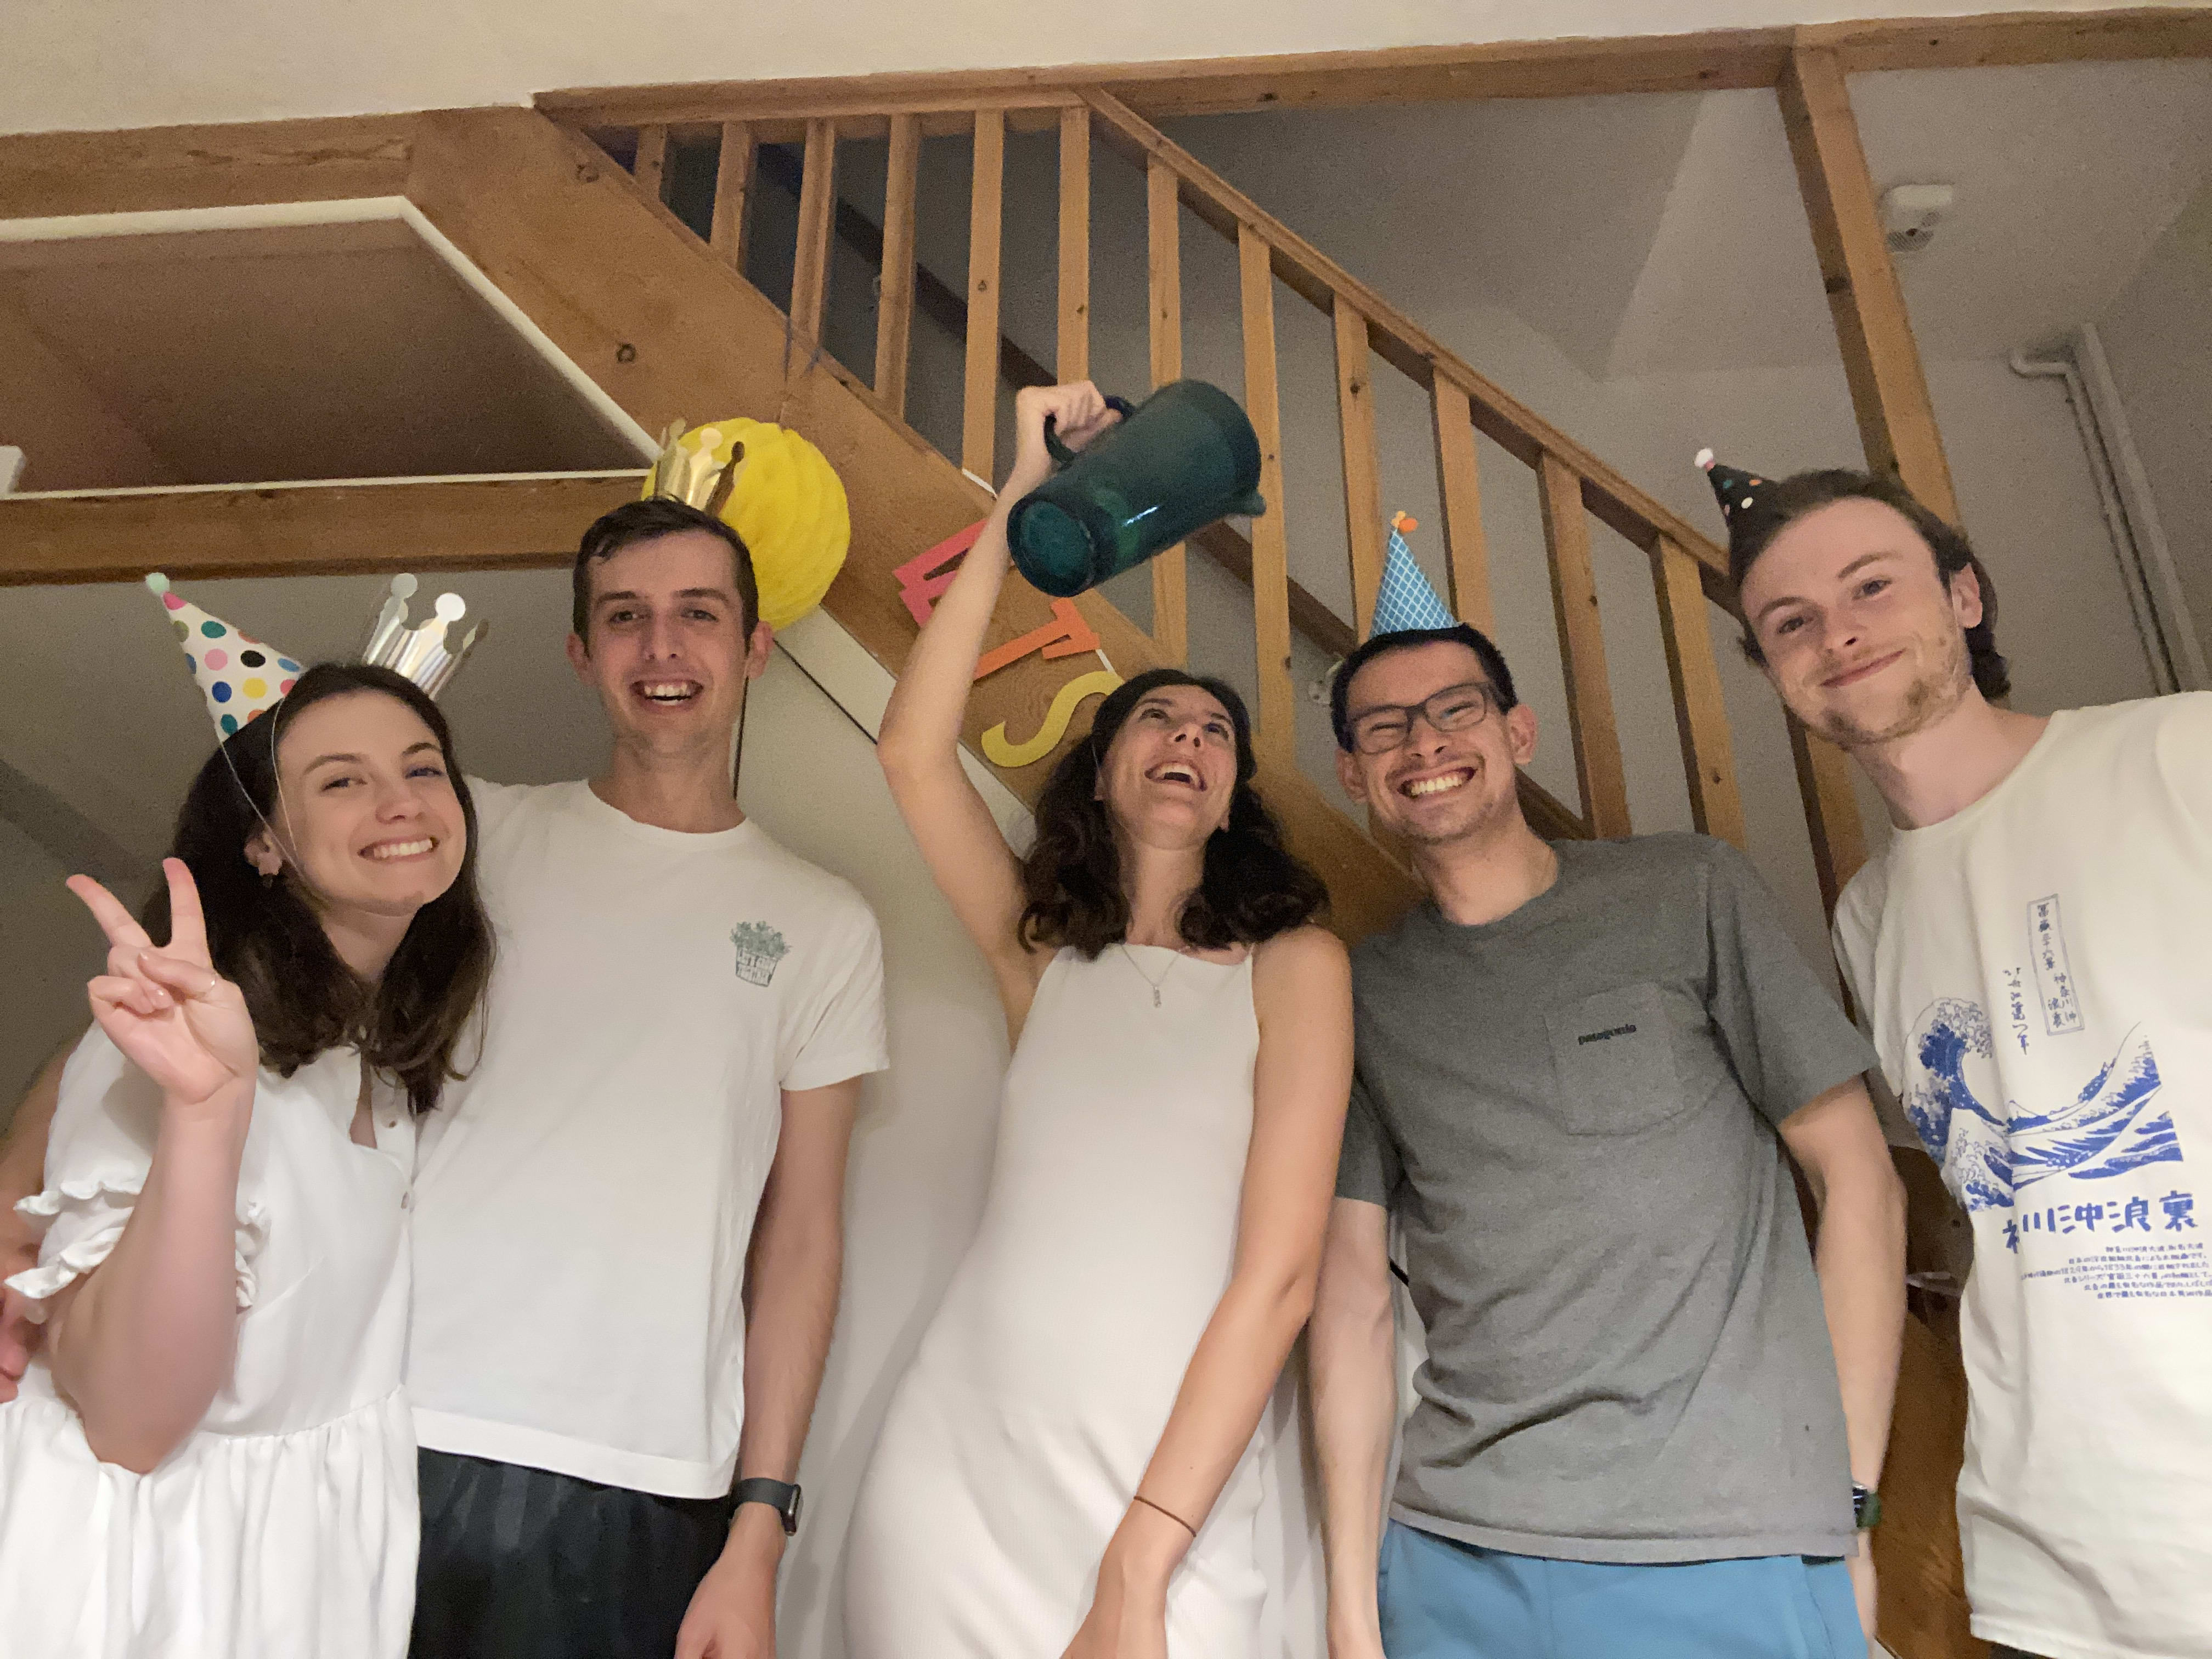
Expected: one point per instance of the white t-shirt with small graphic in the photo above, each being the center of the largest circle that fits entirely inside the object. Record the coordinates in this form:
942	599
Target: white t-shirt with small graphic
585	1199
2038	969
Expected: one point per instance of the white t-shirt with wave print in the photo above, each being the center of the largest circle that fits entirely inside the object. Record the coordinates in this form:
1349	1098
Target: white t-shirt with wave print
2038	973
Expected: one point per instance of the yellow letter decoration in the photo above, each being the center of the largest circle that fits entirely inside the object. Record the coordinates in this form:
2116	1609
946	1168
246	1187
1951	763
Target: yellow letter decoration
1065	702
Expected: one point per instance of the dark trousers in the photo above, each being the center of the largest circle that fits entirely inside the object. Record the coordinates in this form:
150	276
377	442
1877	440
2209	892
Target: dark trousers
522	1563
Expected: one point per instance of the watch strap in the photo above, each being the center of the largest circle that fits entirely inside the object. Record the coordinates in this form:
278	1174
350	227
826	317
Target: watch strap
1865	1507
781	1496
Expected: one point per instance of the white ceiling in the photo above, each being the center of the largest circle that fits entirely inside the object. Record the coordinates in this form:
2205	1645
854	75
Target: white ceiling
1665	233
96	64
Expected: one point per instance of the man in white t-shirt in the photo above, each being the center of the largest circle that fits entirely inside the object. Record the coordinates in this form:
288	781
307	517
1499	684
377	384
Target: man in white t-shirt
628	1218
2033	951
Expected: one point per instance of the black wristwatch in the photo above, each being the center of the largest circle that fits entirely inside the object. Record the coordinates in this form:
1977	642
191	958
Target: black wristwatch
1866	1506
781	1496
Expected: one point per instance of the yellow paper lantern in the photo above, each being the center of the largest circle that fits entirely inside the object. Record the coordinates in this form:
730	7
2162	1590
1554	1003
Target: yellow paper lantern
787	502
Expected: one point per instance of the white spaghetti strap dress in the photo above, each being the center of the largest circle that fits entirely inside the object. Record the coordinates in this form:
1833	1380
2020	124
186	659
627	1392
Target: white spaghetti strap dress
285	1526
1016	1440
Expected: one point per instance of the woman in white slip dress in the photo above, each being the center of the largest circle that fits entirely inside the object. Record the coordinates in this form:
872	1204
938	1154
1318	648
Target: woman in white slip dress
1068	1466
211	1455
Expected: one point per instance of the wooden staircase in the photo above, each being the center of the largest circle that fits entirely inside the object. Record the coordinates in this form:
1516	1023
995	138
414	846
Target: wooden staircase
659	316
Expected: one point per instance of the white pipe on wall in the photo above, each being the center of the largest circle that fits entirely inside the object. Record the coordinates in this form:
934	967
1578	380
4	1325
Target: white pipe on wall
2116	523
2170	640
2184	645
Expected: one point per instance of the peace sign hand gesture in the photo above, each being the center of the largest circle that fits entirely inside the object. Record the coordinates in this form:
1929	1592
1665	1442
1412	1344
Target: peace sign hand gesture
167	1010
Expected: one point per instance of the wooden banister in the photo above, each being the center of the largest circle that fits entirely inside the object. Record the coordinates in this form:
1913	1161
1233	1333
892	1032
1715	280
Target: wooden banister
1277	733
733	181
818	197
1581	650
1074	354
979	426
1832	810
895	288
1406	346
1163	310
1363	488
1700	714
651	167
1460	490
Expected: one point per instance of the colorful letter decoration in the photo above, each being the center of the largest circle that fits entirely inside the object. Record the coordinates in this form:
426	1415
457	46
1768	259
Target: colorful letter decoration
1065	635
923	578
1071	696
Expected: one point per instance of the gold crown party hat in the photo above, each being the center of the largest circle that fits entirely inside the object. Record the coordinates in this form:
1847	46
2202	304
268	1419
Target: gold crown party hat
777	491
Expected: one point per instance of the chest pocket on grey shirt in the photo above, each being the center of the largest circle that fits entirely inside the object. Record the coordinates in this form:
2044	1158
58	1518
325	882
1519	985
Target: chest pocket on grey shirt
1615	1062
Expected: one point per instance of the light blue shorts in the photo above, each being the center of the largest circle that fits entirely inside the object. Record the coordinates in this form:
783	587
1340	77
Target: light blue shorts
1444	1600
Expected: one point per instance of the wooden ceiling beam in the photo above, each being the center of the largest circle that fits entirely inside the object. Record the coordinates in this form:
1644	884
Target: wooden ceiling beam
1714	60
421	524
2013	38
138	169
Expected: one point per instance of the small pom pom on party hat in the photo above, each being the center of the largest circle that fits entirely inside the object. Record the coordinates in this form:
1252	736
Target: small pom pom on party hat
1405	601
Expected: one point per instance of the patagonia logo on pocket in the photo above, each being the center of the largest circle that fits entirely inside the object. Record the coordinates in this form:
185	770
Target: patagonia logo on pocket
1608	1034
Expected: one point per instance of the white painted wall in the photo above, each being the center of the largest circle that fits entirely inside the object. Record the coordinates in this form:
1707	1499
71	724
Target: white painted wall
2158	335
96	64
49	947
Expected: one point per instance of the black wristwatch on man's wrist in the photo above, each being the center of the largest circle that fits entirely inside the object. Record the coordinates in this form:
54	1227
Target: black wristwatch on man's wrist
1866	1506
781	1496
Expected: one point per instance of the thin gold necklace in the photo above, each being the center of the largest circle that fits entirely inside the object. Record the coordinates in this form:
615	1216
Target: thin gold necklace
1154	983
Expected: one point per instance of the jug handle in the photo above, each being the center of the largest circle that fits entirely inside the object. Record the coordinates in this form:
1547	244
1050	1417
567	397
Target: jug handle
1061	454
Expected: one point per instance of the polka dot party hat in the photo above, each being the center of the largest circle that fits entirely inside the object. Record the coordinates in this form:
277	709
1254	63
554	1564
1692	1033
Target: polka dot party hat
1738	492
240	678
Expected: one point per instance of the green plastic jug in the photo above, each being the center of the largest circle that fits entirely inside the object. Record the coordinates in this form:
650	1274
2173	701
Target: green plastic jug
1175	464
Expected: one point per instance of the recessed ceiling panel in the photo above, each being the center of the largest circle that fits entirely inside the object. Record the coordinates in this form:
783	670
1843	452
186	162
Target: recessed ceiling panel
274	353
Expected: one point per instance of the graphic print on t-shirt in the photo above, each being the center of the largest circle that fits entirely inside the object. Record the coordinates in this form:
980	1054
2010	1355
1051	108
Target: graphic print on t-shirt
2112	1127
760	947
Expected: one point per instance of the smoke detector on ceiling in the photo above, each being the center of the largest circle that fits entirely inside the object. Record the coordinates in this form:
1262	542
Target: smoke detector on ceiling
1910	214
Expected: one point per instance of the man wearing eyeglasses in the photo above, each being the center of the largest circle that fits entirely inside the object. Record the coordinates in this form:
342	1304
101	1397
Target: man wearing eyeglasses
1645	1428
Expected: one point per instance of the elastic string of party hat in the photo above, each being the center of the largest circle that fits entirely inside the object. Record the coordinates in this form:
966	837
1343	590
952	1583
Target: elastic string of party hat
285	848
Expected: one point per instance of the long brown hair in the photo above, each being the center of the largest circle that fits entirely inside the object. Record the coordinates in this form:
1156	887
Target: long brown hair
264	937
1251	890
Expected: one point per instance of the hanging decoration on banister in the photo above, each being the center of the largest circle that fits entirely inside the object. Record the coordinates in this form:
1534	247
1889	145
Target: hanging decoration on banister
777	491
922	581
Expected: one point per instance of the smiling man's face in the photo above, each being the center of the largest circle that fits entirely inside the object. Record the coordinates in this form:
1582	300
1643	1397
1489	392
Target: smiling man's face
1436	786
1860	633
670	652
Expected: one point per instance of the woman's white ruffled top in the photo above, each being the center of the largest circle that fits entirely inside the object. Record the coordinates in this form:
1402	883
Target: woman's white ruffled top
285	1527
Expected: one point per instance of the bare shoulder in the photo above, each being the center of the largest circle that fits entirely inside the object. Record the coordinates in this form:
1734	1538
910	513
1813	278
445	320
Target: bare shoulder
1302	963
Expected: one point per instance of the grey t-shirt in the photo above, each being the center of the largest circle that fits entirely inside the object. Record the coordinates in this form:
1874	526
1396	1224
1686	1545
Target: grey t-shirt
1569	1112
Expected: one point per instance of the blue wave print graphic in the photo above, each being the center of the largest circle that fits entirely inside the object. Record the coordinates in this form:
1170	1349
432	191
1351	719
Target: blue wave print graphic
1986	1159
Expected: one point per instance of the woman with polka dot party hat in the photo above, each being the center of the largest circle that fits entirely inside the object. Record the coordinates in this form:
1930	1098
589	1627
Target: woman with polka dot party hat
212	1453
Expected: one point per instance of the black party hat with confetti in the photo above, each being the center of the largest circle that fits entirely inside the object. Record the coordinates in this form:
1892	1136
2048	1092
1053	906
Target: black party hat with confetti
1738	492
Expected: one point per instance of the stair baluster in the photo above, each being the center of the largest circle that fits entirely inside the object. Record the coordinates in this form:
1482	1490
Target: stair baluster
1582	649
1459	487
818	197
979	429
895	294
1363	486
734	182
1163	223
1275	731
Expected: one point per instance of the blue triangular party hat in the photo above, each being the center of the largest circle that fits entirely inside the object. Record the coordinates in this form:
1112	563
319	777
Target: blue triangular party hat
1405	601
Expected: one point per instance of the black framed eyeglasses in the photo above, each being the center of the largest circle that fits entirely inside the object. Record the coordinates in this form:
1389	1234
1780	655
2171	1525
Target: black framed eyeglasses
1378	730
